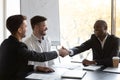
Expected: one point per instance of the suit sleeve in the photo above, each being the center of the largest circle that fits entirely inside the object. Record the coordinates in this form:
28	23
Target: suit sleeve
83	47
25	53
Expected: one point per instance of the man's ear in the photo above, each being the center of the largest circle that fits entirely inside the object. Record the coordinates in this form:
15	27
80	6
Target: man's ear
105	27
19	30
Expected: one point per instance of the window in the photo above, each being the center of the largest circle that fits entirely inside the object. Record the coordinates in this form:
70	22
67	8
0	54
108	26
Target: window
7	8
77	18
12	8
1	20
118	18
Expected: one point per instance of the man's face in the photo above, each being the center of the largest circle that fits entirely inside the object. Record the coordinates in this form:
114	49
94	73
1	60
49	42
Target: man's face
23	29
99	29
42	28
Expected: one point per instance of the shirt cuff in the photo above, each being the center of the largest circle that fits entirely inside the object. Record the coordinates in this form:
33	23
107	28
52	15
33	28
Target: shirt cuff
71	53
35	67
95	62
57	52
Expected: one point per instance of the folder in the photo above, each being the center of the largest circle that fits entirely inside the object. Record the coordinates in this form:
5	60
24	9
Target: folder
112	70
74	74
92	67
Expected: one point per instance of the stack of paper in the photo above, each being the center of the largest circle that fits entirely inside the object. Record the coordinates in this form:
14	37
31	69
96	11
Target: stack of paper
112	70
92	67
75	74
44	76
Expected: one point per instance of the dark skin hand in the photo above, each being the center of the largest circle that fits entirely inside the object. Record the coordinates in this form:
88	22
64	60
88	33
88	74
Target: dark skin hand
86	62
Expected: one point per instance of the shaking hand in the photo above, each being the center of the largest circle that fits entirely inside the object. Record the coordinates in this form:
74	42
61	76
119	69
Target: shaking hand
63	52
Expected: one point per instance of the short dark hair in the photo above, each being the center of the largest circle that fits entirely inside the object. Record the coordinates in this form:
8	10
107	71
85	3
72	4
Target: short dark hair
101	22
13	23
37	19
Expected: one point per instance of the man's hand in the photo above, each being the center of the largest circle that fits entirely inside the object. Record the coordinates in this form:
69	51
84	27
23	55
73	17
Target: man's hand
86	62
63	52
44	69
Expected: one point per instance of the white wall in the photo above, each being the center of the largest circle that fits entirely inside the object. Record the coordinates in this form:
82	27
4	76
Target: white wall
7	8
47	8
1	20
12	8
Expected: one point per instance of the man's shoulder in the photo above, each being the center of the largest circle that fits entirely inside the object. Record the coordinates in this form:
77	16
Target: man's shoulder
93	36
28	39
113	37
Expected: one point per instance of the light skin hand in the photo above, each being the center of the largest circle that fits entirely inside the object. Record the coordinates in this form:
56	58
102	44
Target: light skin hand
63	52
44	69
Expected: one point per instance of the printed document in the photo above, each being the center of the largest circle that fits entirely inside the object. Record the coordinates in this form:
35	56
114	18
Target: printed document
75	74
92	67
44	76
112	69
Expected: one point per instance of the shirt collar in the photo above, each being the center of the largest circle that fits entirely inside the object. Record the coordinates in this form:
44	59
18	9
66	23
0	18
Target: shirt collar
37	38
103	42
104	38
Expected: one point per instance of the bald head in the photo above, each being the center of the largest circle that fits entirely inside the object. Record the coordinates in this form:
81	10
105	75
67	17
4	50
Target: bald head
100	23
100	28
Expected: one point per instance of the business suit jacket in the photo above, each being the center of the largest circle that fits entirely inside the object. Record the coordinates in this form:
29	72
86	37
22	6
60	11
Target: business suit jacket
14	56
103	56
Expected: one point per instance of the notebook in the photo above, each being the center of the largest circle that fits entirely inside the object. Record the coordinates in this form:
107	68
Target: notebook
73	74
112	70
92	67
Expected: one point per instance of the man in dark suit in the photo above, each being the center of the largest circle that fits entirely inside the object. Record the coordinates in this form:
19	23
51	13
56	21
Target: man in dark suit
14	54
104	46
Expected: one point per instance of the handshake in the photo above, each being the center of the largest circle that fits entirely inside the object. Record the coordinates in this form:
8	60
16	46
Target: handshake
63	52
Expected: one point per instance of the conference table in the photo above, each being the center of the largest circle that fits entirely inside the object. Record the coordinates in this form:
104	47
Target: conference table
90	75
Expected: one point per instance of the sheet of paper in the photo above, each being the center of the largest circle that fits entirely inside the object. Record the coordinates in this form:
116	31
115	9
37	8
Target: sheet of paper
75	74
113	70
92	67
68	66
44	76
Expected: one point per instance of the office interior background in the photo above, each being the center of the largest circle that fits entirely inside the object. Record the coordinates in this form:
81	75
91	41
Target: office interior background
77	18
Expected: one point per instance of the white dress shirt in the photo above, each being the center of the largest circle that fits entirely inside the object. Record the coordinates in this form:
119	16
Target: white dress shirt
43	45
103	42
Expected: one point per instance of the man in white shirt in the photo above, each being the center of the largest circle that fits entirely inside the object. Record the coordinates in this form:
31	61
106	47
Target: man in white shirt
38	42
